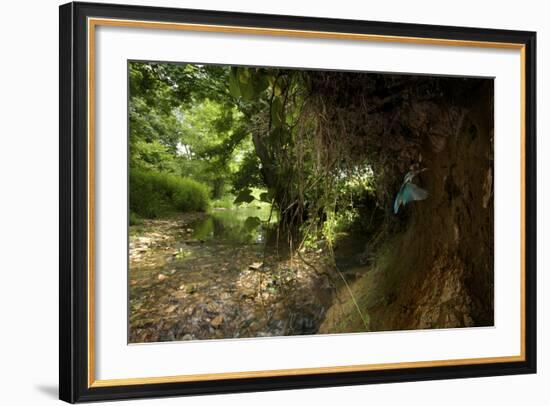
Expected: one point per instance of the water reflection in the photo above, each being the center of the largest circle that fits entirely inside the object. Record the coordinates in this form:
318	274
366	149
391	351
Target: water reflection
236	226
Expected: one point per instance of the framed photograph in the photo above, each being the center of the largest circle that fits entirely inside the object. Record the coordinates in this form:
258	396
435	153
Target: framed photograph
256	202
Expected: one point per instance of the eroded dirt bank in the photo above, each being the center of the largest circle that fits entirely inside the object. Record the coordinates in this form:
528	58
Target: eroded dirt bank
436	270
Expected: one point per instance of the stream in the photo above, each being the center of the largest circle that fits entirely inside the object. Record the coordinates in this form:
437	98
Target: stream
213	275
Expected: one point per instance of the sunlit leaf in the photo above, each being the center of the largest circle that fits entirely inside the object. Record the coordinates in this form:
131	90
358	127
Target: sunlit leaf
247	90
234	87
277	90
276	112
244	75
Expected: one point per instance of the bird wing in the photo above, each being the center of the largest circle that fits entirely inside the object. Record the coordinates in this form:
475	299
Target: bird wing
412	192
398	199
396	204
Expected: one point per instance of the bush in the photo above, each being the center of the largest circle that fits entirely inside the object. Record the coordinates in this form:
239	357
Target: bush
134	219
154	194
190	195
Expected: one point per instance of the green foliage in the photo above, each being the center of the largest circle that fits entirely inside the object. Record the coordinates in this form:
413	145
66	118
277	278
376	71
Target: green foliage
248	83
252	223
134	219
154	194
189	195
277	112
272	100
152	111
244	196
184	121
251	135
329	227
214	136
266	197
152	156
224	202
248	172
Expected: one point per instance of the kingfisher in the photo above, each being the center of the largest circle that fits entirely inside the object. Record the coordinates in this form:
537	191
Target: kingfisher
409	191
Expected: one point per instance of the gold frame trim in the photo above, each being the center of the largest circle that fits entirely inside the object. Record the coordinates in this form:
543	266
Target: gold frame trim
94	22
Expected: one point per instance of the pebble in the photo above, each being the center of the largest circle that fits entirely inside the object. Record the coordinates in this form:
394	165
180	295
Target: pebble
217	321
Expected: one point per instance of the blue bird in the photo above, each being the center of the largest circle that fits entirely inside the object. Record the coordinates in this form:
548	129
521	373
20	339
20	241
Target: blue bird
409	191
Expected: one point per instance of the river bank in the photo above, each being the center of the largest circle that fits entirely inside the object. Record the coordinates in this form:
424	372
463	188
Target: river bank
205	276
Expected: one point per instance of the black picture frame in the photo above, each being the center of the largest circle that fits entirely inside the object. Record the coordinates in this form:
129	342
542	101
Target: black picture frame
74	199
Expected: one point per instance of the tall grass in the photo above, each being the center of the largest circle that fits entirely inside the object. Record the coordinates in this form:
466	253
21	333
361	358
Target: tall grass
153	194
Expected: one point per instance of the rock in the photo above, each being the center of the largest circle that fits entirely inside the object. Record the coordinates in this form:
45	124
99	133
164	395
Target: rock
217	321
248	293
191	242
189	230
161	277
170	309
255	265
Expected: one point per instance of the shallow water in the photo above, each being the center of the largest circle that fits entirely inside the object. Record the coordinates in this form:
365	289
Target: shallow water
234	226
205	276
